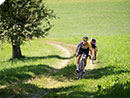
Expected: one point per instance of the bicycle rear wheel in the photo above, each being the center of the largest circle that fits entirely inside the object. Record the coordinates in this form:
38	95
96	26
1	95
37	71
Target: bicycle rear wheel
81	67
92	57
80	74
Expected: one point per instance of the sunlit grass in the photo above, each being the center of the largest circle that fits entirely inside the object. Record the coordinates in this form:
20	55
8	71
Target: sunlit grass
37	75
99	19
79	1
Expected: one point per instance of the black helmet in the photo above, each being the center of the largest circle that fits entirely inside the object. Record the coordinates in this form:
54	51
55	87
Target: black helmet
85	38
93	39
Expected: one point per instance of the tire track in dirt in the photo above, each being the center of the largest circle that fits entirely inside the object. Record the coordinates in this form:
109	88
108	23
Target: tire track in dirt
67	54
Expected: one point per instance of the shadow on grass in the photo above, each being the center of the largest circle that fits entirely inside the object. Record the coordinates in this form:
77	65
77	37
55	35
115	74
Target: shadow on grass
32	91
14	75
17	76
104	71
69	72
119	90
34	58
21	74
9	76
75	91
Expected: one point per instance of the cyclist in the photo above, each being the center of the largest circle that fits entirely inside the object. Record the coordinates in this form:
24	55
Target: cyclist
83	47
94	46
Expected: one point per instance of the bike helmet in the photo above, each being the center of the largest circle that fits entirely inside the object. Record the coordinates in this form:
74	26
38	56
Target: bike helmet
93	39
85	38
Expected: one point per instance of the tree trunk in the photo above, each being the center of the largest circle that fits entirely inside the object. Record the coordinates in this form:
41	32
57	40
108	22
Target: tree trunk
16	51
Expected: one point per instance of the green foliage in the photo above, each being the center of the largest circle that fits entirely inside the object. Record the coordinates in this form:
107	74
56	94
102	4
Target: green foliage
24	19
107	21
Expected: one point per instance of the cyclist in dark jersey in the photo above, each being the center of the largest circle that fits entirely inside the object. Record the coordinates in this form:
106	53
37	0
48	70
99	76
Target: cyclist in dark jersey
83	47
94	46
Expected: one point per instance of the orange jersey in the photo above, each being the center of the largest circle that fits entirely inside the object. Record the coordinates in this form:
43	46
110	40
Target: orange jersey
86	46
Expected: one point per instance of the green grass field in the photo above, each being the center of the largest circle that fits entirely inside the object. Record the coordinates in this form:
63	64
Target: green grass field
90	18
37	75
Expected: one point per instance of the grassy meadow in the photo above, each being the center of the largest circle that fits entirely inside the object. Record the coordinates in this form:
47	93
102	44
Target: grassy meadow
37	75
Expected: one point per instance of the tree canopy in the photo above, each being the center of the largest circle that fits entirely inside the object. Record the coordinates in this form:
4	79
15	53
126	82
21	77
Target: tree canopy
24	19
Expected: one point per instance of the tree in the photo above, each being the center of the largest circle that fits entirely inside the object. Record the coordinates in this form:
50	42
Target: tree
23	19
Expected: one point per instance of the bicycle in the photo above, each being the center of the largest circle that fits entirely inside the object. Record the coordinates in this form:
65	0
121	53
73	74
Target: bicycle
92	56
81	66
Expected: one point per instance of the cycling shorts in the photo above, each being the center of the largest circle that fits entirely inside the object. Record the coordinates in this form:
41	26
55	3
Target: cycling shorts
81	51
93	46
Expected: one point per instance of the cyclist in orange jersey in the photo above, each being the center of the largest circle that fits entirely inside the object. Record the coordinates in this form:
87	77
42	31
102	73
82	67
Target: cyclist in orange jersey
83	47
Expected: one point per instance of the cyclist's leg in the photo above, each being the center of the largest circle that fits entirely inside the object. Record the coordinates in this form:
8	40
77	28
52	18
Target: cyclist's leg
85	61
95	53
78	60
89	55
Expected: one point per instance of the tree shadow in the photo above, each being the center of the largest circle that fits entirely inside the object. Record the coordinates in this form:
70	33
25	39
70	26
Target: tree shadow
34	58
15	75
75	91
33	91
19	74
104	71
118	90
69	72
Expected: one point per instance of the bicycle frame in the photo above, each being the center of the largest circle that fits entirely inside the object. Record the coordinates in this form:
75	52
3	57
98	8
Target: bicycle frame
92	56
81	66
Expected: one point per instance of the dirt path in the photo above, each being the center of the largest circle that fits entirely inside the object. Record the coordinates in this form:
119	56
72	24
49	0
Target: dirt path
90	65
66	54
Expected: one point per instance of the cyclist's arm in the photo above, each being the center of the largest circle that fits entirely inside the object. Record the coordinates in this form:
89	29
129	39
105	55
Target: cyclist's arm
76	52
90	48
78	46
95	44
